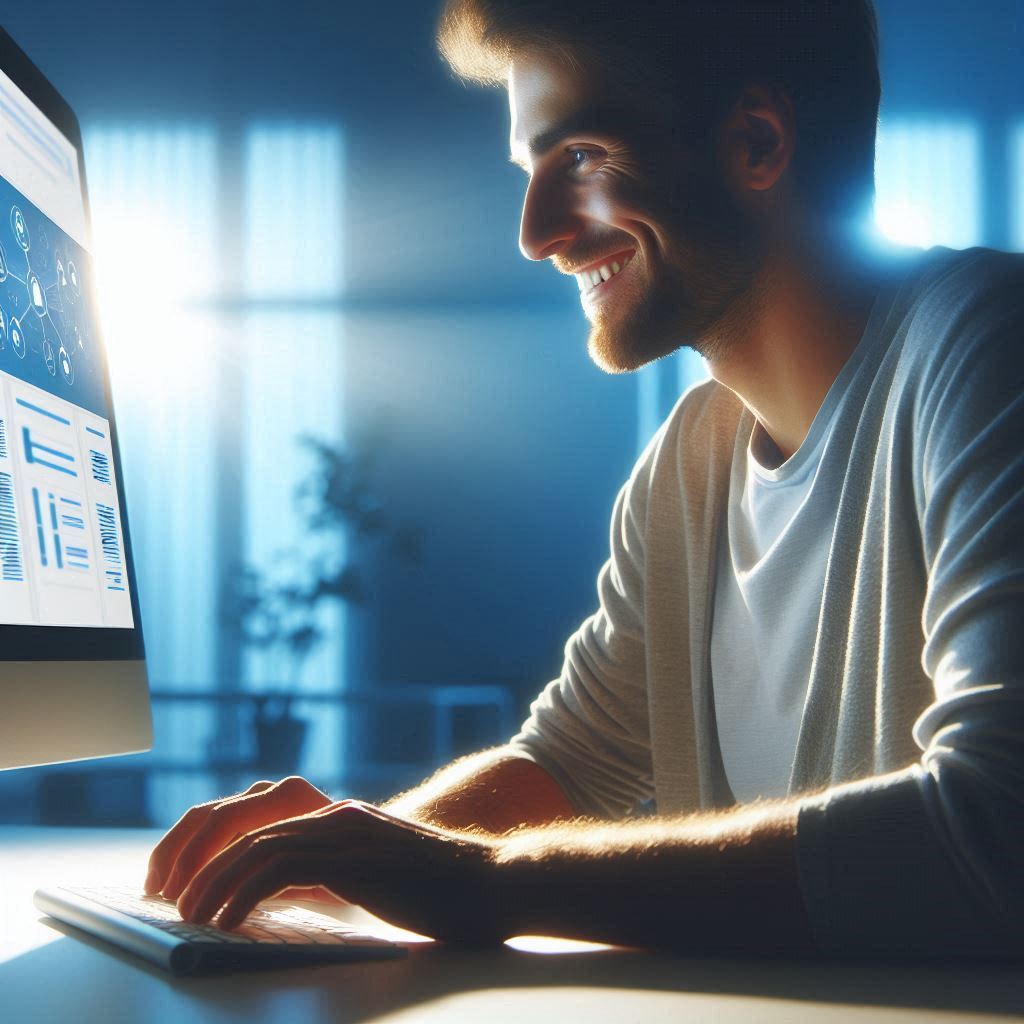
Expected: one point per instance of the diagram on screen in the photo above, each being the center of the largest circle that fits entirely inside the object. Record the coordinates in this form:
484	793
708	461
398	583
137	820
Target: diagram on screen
52	307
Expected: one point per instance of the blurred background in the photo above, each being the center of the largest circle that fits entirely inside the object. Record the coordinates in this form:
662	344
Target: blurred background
331	364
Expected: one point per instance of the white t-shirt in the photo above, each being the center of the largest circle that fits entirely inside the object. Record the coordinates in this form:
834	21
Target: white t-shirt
769	579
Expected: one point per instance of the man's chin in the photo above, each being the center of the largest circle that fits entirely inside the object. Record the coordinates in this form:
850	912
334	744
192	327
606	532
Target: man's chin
630	336
614	353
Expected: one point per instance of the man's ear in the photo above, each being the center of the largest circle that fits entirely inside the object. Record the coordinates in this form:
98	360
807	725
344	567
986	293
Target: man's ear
758	138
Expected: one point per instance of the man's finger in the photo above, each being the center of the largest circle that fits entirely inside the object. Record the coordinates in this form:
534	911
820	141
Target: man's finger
282	870
233	818
221	878
165	853
214	885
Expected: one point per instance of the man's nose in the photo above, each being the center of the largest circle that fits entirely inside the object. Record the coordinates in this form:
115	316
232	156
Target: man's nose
548	224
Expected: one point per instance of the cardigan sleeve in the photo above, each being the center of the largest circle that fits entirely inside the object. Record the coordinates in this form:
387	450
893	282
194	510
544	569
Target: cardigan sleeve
927	861
589	728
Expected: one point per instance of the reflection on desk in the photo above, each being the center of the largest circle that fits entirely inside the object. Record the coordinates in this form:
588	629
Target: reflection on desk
51	972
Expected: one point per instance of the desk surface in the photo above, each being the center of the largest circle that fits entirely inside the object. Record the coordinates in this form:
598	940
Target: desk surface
51	972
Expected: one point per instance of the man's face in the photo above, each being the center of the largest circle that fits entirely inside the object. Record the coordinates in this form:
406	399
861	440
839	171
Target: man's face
608	185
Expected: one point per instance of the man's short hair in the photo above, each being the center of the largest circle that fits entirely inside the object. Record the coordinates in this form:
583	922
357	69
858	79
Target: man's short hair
694	58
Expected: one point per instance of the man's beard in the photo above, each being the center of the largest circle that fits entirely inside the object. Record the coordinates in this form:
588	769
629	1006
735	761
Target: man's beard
697	295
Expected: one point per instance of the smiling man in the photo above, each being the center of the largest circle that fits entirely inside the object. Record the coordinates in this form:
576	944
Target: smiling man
807	651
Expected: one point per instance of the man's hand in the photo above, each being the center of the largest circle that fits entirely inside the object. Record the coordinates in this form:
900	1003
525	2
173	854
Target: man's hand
382	859
207	829
424	879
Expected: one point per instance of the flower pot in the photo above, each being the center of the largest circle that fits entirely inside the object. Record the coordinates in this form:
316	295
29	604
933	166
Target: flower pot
280	739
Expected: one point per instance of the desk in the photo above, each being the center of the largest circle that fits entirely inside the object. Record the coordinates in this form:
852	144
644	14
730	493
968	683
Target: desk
52	973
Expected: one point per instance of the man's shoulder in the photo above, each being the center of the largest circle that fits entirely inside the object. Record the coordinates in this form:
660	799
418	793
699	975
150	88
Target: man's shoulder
961	362
957	294
940	313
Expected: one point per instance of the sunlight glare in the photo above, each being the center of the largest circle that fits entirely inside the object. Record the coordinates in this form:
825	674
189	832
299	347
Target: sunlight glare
550	945
144	281
905	225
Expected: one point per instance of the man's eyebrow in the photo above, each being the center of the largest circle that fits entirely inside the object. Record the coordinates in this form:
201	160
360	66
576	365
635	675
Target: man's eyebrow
592	119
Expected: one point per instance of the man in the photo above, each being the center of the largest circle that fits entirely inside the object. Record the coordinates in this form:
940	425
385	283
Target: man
808	648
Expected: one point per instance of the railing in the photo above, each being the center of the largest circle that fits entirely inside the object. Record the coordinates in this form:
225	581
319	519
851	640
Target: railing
442	702
119	790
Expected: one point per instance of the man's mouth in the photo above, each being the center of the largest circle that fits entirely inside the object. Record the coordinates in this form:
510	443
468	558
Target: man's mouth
593	280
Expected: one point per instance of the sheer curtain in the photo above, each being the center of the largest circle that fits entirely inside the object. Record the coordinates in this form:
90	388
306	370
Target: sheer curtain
219	257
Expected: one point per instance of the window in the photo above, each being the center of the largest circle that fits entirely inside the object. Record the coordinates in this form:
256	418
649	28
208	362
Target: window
293	333
222	323
927	180
154	195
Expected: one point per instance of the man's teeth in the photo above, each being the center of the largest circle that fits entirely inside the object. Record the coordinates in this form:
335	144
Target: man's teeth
592	278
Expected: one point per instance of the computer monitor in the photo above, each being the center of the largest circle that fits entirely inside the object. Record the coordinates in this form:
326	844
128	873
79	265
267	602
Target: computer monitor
72	670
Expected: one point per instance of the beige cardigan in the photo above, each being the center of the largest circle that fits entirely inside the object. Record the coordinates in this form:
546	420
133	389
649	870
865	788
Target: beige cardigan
917	668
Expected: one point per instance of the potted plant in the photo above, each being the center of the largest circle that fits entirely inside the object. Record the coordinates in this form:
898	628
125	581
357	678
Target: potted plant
277	608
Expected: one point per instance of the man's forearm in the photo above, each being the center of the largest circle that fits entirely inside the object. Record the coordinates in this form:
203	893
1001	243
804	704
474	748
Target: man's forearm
493	791
719	883
723	882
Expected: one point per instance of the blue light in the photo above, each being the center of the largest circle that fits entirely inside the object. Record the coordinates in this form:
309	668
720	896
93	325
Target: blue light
927	182
293	241
1017	191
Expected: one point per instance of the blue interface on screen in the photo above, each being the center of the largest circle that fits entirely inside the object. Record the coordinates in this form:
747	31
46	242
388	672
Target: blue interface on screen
61	543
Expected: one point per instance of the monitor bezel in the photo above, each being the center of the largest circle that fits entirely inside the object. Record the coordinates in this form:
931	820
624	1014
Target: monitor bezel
73	643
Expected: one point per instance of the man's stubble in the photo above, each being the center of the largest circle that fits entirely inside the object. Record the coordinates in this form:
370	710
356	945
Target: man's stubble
702	291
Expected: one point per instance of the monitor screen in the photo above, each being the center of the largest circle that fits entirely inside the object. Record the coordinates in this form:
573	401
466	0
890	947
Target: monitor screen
62	534
72	675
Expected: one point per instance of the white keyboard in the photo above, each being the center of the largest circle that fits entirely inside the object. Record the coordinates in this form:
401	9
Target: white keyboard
151	927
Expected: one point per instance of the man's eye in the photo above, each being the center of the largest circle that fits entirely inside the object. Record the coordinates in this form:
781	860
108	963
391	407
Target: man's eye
580	157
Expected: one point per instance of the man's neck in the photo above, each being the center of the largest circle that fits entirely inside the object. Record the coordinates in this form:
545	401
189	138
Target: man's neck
804	320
